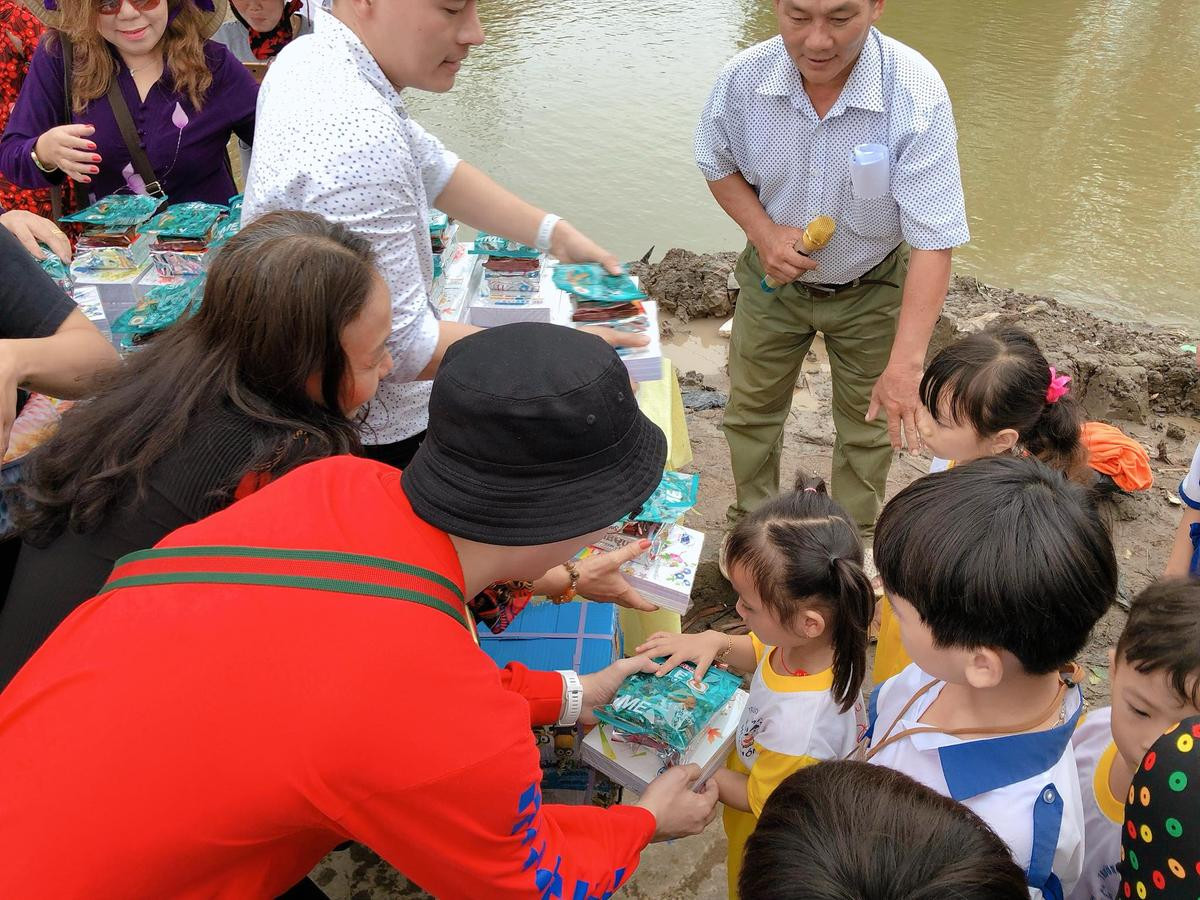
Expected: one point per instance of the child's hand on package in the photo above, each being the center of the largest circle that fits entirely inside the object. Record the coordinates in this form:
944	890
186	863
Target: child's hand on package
701	649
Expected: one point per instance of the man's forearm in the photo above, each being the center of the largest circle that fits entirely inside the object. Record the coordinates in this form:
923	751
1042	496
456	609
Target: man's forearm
924	294
734	195
474	198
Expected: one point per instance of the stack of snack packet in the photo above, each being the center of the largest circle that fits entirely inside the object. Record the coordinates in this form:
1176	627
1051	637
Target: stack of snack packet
654	723
458	283
112	254
162	306
614	301
442	234
181	236
665	573
512	283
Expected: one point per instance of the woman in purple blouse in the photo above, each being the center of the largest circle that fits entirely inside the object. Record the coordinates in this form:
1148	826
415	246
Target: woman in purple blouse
185	93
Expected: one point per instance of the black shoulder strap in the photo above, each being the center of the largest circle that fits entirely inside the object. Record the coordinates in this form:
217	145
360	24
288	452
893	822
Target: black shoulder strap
58	192
133	144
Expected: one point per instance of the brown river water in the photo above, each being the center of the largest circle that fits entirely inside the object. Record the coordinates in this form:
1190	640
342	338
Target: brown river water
1079	130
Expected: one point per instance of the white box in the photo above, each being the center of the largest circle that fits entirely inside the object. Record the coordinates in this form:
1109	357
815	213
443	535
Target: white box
665	573
634	765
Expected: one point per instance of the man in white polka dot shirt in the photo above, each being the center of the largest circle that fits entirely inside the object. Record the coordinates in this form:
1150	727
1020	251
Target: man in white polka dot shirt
333	137
775	142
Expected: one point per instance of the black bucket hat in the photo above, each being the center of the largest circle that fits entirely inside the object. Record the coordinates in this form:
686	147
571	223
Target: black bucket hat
535	436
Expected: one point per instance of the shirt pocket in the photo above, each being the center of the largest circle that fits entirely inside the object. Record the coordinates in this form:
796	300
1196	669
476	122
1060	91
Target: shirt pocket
876	217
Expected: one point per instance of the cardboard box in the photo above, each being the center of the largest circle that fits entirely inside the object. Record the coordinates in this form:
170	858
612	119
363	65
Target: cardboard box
580	635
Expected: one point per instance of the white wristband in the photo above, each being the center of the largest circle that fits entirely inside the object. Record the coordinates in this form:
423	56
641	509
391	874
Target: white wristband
542	242
572	704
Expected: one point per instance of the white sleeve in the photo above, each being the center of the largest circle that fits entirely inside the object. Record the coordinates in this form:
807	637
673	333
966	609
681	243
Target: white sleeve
1189	490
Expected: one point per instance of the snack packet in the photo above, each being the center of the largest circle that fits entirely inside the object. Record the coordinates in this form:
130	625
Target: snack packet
670	710
56	269
161	306
185	220
590	281
438	221
674	496
118	211
494	245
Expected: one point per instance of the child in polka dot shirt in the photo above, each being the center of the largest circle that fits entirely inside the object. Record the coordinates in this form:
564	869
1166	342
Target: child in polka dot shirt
1155	683
1160	843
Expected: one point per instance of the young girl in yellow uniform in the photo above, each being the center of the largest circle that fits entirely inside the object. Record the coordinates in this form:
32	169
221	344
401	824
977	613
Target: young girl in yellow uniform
796	563
990	393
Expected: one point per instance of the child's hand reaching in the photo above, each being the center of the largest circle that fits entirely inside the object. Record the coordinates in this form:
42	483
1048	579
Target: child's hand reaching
701	649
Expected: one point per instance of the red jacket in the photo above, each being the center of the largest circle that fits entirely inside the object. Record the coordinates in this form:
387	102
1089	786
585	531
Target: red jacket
216	740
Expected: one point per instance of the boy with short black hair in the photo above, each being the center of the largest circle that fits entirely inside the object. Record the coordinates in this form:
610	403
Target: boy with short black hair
997	570
1155	683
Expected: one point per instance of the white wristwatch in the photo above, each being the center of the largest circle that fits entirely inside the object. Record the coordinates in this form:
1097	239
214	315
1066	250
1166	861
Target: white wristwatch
545	230
572	703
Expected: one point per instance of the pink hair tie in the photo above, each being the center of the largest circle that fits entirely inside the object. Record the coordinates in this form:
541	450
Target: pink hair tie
1058	386
810	490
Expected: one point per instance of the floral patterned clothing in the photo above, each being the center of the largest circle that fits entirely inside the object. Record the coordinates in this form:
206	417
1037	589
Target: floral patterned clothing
19	34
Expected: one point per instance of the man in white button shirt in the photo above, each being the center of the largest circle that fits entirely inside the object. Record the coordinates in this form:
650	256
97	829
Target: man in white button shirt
774	143
333	137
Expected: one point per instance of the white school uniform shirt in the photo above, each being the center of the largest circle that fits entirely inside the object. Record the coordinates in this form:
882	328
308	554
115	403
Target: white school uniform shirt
1103	813
1025	786
1189	488
332	136
760	122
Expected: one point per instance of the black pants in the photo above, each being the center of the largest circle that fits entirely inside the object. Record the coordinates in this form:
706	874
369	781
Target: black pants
397	455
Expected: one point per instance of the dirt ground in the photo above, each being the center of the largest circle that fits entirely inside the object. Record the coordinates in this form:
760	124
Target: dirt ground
1143	527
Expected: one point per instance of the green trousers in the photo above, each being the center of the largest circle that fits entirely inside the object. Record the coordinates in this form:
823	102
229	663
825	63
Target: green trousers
772	333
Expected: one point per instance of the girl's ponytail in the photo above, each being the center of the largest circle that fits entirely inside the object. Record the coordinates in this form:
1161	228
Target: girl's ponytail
851	620
1056	439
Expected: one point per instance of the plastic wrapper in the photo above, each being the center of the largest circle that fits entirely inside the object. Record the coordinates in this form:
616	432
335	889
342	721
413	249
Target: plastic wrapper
235	208
111	249
591	282
179	262
118	211
56	269
494	245
438	222
671	710
162	306
675	495
185	220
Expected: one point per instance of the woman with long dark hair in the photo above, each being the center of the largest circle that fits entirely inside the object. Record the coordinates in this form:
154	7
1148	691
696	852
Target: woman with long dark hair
270	373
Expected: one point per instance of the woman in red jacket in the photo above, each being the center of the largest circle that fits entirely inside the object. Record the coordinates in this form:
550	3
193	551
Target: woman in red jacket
301	668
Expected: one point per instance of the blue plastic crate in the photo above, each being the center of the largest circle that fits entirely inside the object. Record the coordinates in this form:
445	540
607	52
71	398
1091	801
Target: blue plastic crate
579	635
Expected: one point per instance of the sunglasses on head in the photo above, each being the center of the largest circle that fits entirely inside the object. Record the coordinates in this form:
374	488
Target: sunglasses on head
112	7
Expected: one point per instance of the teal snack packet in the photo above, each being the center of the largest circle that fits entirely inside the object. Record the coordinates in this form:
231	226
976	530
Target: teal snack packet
494	245
162	306
591	282
118	211
674	496
672	709
56	269
185	220
438	222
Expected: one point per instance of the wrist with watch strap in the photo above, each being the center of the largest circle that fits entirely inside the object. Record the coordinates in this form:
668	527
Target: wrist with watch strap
572	702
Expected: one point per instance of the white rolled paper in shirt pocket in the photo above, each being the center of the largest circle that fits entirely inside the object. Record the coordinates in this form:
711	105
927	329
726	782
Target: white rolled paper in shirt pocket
870	173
